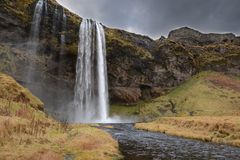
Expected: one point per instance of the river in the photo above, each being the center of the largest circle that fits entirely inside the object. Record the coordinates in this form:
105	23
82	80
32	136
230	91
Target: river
142	145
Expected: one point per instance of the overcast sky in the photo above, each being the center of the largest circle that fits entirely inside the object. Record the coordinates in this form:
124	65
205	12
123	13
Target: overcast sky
157	17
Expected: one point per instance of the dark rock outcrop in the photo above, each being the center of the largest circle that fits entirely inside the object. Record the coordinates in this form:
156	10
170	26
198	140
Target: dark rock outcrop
190	36
125	95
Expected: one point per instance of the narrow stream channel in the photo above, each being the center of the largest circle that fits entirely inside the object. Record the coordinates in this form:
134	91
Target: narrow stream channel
141	145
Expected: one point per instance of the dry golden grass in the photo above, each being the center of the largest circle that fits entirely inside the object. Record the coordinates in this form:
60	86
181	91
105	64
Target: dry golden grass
92	143
109	126
28	134
40	138
14	92
223	129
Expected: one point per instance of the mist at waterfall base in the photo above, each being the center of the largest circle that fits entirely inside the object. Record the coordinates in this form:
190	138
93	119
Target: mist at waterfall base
89	102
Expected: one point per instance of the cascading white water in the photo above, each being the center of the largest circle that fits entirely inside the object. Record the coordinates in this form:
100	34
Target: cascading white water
91	88
55	21
46	7
102	72
33	42
35	28
63	37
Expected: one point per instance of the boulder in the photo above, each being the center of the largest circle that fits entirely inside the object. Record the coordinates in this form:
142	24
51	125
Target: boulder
125	95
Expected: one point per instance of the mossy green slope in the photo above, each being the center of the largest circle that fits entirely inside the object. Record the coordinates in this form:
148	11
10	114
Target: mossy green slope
208	93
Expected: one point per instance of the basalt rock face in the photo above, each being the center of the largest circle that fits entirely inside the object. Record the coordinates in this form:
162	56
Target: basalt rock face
130	65
139	68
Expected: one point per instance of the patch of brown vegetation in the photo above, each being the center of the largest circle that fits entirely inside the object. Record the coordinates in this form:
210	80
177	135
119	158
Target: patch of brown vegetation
225	82
43	139
46	155
86	142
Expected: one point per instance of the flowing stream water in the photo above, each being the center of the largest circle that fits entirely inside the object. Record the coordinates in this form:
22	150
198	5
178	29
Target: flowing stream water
142	145
91	88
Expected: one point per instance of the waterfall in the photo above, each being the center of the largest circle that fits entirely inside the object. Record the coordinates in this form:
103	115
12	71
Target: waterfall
91	88
33	43
55	21
63	36
46	7
35	27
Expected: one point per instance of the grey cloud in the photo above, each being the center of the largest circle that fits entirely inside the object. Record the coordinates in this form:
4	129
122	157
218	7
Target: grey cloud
158	17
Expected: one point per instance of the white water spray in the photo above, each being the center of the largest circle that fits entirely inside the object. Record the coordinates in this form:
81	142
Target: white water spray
33	43
35	28
63	36
91	88
46	7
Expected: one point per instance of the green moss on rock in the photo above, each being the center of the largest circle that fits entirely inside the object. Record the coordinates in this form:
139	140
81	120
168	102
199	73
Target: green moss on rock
18	8
116	40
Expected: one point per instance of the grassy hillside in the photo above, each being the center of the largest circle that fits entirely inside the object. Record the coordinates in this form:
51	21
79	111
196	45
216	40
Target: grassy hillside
27	133
13	92
206	107
208	93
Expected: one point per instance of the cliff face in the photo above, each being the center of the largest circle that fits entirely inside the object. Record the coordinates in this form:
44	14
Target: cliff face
147	68
192	37
55	73
139	68
218	52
